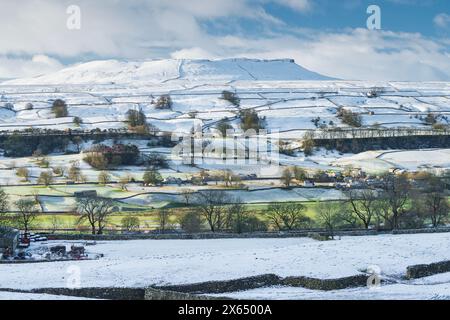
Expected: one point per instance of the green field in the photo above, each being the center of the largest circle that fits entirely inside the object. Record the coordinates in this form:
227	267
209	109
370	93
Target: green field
148	219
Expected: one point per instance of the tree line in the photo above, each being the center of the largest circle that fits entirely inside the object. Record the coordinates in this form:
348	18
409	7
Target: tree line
400	203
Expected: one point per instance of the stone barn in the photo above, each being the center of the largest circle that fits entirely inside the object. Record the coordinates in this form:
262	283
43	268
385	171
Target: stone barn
9	238
86	194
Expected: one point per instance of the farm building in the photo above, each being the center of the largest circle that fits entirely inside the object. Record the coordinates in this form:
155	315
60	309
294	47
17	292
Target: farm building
9	239
86	194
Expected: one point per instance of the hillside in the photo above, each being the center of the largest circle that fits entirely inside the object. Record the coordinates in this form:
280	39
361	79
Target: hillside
157	71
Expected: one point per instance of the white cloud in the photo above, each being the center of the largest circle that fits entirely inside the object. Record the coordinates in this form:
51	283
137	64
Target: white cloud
121	27
20	67
192	53
297	5
442	20
140	29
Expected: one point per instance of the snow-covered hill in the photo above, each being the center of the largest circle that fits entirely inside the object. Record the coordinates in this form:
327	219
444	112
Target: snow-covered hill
157	71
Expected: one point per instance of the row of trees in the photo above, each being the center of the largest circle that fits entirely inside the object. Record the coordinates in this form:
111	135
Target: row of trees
24	146
399	203
151	176
73	173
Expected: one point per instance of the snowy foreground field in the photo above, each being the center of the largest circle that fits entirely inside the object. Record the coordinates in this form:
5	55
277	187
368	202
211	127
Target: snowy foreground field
148	262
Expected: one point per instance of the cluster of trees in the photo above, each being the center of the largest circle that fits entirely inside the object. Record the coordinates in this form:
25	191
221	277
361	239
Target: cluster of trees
77	121
102	157
21	146
157	160
231	97
431	119
383	143
220	213
250	120
152	177
74	173
164	102
296	175
401	202
308	144
136	118
59	108
227	178
349	117
137	122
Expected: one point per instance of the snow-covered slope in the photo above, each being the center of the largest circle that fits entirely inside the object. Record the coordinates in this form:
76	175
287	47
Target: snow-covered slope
113	71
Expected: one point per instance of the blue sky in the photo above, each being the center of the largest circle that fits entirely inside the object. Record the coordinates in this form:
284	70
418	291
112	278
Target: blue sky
404	16
326	36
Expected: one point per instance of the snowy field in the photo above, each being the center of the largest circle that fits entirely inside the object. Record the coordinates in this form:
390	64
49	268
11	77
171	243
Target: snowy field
290	97
34	296
293	101
147	262
439	291
412	160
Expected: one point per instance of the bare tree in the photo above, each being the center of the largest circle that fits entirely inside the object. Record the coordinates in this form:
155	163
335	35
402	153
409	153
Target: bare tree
46	178
396	190
362	204
226	177
59	171
27	213
328	215
56	223
74	172
124	181
287	216
237	216
212	206
95	210
23	173
187	195
286	177
163	220
4	206
190	222
383	214
104	178
433	201
78	142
